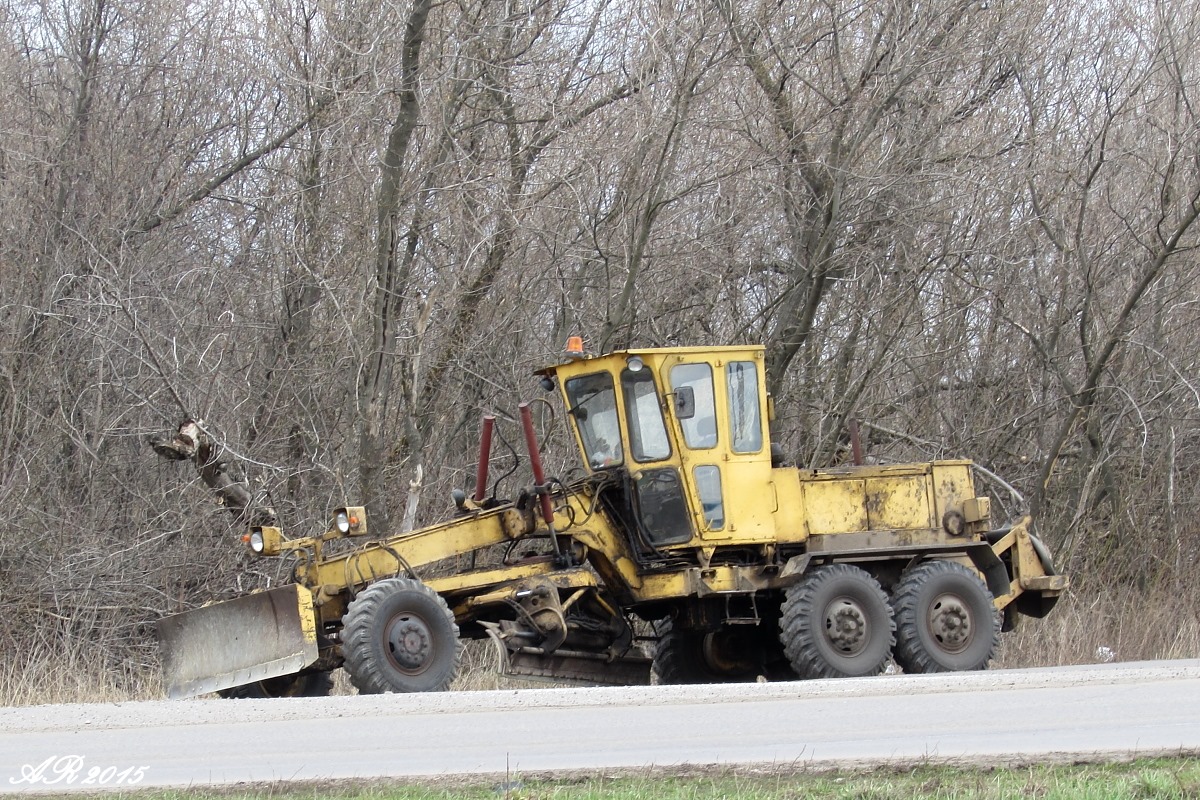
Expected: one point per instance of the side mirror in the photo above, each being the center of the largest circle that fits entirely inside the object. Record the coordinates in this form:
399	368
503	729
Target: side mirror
685	402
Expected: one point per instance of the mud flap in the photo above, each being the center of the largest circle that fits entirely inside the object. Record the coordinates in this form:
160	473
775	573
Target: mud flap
993	569
259	636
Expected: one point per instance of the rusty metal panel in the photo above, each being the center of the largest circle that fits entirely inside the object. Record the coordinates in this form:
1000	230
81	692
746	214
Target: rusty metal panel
899	503
836	506
952	485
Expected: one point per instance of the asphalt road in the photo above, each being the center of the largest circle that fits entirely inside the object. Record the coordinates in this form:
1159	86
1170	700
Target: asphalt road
1109	712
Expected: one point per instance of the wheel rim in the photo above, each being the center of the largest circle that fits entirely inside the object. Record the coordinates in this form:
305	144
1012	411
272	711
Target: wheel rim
409	643
950	623
846	626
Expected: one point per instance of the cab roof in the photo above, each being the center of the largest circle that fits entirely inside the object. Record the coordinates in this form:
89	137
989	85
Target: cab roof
652	352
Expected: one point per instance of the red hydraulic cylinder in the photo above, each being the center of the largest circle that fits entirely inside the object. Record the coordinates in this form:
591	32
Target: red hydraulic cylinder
485	455
535	461
856	450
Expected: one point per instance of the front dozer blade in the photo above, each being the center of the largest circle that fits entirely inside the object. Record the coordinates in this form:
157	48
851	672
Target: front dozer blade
259	636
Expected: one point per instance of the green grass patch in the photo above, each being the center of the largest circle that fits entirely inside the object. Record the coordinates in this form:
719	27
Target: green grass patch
1168	779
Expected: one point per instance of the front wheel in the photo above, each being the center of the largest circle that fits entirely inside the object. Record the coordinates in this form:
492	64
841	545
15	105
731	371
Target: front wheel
837	624
399	635
946	620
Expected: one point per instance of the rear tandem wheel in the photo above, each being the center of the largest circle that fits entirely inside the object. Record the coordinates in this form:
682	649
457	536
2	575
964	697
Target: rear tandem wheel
946	619
837	624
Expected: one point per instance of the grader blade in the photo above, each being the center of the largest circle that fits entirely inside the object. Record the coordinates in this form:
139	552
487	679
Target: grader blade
577	668
566	666
259	636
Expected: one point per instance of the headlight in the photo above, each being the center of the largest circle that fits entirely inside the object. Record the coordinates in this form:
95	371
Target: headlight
350	521
264	541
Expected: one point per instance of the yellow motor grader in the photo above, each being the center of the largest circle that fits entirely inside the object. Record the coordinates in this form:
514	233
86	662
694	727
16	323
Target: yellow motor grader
685	551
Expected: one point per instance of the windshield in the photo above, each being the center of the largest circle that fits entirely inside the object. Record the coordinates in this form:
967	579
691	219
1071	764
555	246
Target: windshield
593	404
643	410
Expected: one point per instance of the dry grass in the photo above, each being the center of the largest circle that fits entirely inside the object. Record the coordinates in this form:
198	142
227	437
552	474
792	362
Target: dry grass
65	674
1096	623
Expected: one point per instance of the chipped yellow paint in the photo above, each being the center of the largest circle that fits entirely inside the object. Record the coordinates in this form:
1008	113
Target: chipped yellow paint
307	613
835	506
952	486
898	503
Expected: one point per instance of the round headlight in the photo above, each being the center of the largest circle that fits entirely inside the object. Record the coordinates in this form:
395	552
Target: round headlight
256	541
342	522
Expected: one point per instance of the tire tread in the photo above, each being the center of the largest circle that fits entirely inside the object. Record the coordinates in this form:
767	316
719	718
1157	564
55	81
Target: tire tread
358	647
797	629
911	654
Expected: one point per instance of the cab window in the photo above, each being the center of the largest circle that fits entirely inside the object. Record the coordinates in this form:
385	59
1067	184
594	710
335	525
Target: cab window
745	415
708	486
594	407
643	411
662	509
695	406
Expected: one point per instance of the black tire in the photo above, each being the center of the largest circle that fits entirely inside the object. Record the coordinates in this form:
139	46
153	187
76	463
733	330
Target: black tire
946	619
837	624
727	655
305	684
398	635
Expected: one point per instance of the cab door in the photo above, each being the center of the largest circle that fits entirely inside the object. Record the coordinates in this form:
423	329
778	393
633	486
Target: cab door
692	387
718	407
657	490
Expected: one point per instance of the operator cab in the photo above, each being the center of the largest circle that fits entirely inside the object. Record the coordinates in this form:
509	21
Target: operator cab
684	430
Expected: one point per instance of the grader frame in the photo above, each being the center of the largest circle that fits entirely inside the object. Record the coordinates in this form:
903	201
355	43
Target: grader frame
683	519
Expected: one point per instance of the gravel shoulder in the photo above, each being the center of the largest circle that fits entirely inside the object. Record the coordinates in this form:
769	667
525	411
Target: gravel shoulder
212	710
